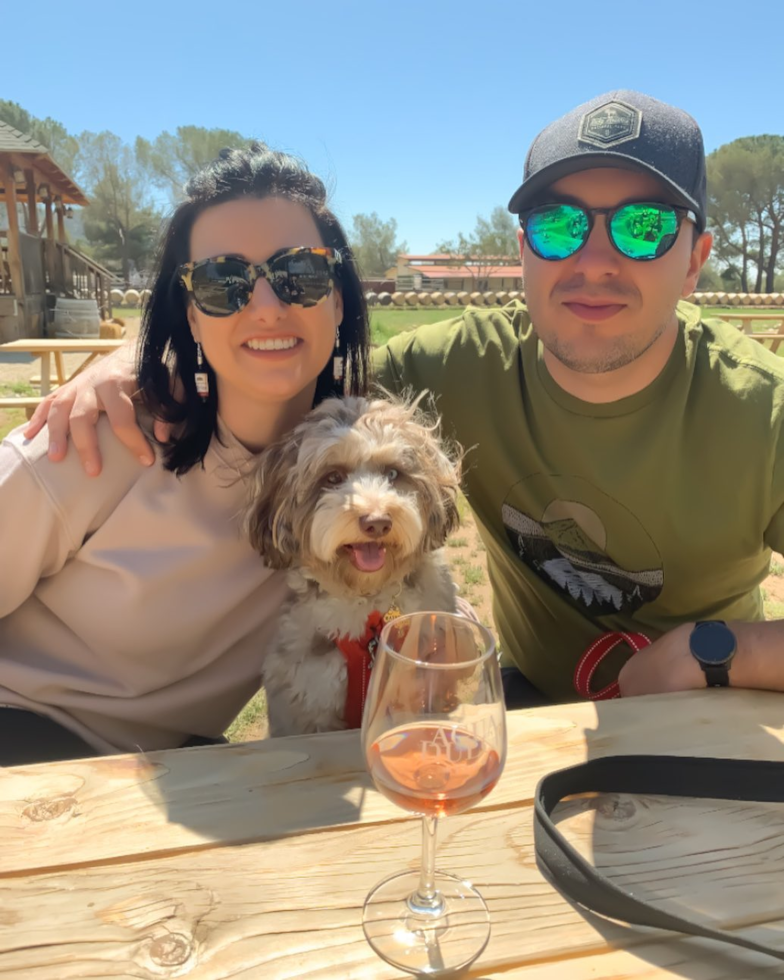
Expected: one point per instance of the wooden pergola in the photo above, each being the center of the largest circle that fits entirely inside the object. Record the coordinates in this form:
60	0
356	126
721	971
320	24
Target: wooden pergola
36	262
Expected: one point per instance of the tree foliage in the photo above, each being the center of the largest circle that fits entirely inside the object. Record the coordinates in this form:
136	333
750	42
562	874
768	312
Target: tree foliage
121	222
492	239
62	146
374	244
172	159
746	210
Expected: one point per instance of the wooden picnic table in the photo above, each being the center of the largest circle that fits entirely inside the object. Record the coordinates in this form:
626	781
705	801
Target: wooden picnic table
748	321
48	348
254	859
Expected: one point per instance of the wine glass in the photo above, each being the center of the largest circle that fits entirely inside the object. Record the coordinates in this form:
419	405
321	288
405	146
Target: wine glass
434	737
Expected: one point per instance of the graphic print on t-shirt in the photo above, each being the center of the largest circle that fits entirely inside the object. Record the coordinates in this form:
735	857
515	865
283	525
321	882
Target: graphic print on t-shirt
587	547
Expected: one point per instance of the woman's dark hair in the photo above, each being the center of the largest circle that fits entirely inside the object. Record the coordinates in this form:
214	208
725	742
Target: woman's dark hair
167	347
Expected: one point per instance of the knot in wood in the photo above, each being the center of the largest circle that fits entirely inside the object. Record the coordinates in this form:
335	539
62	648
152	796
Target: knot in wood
171	950
615	809
38	810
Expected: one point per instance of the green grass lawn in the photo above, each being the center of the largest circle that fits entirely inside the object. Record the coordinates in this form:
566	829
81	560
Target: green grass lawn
387	321
723	311
10	418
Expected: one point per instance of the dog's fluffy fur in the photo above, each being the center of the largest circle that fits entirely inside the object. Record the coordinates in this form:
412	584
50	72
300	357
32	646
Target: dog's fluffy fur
357	502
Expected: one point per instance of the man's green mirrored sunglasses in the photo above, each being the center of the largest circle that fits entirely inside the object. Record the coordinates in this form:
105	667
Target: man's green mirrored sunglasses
642	231
223	285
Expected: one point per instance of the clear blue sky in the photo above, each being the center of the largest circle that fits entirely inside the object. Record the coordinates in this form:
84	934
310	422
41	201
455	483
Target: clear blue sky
418	110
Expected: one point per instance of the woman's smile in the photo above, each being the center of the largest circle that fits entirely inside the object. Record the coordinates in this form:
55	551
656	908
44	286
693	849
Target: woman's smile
272	345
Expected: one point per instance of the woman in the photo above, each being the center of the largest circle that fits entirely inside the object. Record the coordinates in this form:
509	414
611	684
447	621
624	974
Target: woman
133	614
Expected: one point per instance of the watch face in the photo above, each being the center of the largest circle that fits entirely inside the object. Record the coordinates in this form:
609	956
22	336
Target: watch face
712	643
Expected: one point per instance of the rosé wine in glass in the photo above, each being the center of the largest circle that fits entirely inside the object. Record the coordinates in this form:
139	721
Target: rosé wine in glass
434	737
433	770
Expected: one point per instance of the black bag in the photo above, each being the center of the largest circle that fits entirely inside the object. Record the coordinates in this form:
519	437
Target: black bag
719	779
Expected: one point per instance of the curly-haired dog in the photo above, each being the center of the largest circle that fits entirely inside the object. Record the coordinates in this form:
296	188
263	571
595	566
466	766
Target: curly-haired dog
357	501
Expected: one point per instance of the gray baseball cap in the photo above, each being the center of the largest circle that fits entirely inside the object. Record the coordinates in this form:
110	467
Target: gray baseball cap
621	129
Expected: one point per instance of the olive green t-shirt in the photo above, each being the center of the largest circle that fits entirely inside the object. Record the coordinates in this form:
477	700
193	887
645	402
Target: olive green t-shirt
639	514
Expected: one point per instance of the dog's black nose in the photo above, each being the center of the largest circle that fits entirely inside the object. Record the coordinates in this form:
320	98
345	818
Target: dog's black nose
375	525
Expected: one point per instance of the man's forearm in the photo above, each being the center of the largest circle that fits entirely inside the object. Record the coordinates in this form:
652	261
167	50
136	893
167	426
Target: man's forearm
668	665
759	660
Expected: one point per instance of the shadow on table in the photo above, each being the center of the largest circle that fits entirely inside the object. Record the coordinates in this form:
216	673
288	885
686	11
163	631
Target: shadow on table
716	863
253	791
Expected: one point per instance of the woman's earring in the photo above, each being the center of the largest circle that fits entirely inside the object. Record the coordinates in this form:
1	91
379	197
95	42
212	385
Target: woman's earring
201	377
338	361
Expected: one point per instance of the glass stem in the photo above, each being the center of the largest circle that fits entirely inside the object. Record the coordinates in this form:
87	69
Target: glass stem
427	900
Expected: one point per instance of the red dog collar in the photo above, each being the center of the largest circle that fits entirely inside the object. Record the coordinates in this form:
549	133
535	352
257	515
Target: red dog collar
594	655
359	655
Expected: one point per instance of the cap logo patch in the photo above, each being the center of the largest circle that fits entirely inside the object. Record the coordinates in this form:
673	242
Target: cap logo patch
610	124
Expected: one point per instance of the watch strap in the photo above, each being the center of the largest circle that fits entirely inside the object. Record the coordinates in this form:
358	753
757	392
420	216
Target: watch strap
716	676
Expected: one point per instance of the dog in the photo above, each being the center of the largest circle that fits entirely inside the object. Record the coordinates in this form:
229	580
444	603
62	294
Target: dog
356	502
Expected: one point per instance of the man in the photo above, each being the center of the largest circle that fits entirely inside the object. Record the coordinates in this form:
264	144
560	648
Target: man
623	455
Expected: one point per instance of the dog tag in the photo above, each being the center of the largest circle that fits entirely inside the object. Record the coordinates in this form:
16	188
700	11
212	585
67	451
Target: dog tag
392	613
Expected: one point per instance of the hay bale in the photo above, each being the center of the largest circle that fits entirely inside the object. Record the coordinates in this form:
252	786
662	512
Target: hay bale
425	299
144	296
476	299
385	299
437	298
132	297
450	298
109	330
462	298
117	297
411	299
371	298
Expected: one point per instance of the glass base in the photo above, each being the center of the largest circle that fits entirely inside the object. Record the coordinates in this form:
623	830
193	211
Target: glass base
417	937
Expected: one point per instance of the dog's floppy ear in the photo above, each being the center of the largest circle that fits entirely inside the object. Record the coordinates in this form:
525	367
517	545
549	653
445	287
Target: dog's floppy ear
269	519
444	516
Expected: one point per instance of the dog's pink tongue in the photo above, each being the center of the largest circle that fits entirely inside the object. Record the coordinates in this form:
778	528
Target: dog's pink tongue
368	557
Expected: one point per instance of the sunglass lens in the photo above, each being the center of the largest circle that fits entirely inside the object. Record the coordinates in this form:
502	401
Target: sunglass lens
301	278
221	288
556	231
644	231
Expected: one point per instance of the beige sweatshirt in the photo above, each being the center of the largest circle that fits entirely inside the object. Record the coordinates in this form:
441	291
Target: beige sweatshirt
132	611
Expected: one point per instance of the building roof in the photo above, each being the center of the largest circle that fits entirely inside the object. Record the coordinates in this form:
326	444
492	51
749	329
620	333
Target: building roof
428	258
447	257
468	272
14	143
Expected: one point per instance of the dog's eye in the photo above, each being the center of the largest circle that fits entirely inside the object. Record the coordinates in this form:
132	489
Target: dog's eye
392	474
334	479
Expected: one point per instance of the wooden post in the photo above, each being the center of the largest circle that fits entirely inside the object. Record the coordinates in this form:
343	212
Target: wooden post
61	235
14	254
50	244
48	218
103	297
32	213
67	278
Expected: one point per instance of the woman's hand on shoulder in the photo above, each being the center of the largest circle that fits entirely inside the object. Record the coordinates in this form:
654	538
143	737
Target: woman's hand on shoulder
73	411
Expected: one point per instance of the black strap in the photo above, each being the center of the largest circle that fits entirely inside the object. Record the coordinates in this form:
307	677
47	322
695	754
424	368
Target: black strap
718	779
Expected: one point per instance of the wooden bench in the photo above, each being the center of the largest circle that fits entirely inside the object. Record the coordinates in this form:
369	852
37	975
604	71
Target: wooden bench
28	404
774	337
54	348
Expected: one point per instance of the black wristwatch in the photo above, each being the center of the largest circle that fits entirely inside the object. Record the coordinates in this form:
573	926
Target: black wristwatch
713	645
